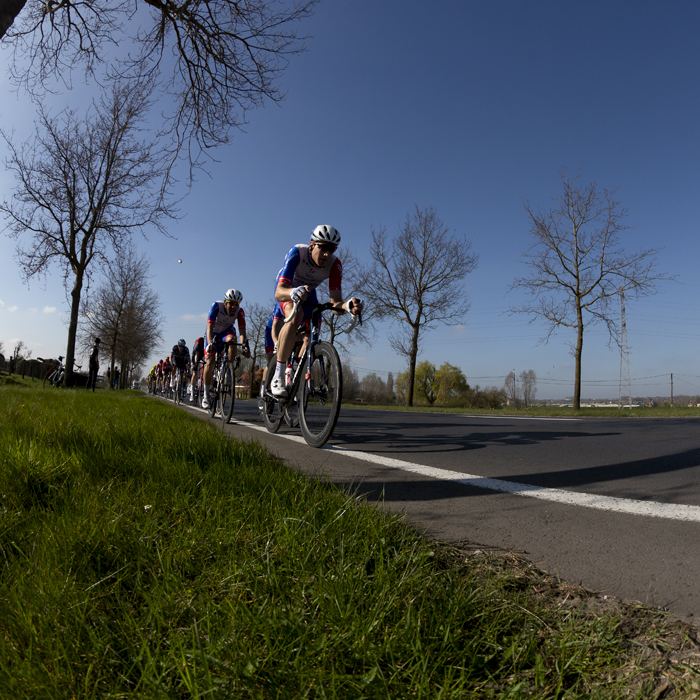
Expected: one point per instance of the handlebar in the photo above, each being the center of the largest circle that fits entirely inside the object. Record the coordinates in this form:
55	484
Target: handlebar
328	306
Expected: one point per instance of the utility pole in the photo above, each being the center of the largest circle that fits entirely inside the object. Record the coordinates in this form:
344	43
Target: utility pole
671	389
624	353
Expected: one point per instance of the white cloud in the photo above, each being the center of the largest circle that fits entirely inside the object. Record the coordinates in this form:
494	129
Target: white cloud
49	310
459	329
2	303
194	317
12	309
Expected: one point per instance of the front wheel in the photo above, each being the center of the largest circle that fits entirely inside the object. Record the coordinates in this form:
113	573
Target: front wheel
320	395
178	384
271	412
227	392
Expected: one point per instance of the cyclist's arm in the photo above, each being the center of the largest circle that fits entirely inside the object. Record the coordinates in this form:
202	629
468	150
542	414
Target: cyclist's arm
284	290
337	298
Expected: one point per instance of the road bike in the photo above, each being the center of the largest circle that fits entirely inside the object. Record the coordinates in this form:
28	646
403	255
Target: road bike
198	388
314	386
223	389
56	375
178	385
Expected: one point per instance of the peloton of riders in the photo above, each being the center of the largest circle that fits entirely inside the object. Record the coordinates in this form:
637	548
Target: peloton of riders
305	267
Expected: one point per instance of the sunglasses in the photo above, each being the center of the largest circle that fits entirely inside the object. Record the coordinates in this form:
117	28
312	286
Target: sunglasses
327	247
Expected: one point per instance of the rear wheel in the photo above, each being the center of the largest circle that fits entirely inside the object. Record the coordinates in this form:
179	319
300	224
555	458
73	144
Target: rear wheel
227	392
320	395
271	412
213	396
48	377
199	388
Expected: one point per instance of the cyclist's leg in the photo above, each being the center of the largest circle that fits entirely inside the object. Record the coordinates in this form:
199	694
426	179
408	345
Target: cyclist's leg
285	344
271	412
209	362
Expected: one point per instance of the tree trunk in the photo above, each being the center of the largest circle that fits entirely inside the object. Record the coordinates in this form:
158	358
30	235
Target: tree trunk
579	350
9	9
412	365
73	327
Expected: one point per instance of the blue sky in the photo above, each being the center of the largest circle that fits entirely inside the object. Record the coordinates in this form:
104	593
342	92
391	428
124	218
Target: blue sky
469	107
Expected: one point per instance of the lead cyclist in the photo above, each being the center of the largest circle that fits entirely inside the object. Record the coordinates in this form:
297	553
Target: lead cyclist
305	267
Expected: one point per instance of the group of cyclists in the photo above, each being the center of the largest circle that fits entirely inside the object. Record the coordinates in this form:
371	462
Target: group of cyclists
305	267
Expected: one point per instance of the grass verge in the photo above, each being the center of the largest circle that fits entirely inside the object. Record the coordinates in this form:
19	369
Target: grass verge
143	555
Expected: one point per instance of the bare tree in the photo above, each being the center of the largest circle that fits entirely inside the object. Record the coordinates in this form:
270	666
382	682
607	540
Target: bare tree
338	326
83	187
511	389
528	386
416	280
578	265
228	55
256	318
123	312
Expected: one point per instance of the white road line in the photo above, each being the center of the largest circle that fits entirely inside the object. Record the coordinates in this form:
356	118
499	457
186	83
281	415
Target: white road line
488	417
671	511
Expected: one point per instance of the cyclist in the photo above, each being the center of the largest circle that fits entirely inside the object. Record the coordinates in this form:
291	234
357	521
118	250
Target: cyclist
222	317
159	376
305	267
151	379
167	371
197	356
180	357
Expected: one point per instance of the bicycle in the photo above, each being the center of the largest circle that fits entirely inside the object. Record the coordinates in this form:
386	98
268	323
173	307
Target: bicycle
178	385
198	391
56	376
223	388
315	401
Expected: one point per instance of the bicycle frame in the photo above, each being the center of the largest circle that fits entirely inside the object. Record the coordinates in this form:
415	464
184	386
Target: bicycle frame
305	360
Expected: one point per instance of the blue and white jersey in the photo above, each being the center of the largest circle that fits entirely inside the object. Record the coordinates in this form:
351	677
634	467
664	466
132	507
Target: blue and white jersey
299	270
222	321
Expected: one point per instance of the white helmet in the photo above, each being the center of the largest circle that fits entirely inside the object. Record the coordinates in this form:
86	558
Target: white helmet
233	295
326	234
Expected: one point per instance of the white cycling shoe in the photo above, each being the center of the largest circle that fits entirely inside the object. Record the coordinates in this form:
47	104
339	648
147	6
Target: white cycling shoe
206	400
278	388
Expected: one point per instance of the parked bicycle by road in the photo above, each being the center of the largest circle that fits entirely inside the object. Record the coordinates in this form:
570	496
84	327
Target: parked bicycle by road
314	385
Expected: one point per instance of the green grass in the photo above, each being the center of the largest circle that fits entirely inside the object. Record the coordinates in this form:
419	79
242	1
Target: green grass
144	555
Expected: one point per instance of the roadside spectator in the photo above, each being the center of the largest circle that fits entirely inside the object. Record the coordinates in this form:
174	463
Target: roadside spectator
115	382
94	365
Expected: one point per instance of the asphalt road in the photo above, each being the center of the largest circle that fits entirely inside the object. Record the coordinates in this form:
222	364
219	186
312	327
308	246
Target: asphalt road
611	504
